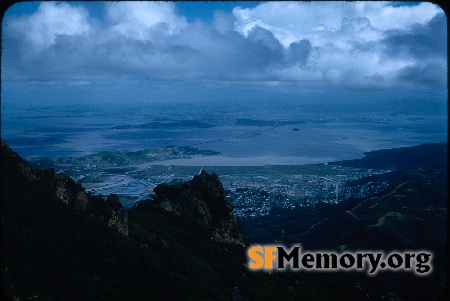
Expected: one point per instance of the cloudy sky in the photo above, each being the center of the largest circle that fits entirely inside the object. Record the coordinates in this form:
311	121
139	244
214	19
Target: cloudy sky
168	51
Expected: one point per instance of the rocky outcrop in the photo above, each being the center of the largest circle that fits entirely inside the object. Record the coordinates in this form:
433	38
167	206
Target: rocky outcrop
203	200
111	211
64	189
13	162
70	193
227	230
118	217
180	200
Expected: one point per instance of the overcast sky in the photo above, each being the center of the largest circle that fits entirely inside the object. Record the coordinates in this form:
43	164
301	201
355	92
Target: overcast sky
165	51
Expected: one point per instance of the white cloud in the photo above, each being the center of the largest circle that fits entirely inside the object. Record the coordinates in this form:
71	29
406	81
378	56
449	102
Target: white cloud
136	19
386	17
292	21
347	38
50	21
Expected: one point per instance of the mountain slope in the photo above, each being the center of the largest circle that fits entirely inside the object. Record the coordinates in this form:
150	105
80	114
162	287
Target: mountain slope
411	214
59	243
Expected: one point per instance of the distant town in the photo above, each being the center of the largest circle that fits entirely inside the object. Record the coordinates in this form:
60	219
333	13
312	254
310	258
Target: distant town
257	195
254	190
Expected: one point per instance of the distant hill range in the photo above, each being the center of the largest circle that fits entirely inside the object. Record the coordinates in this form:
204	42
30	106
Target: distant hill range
426	156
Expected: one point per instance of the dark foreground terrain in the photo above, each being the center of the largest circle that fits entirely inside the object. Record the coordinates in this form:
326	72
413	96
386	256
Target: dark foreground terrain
60	243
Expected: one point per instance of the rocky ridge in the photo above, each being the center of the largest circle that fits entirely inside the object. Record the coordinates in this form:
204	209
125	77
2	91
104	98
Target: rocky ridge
65	190
203	200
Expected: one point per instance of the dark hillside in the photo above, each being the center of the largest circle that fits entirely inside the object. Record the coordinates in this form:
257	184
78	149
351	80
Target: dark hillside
411	214
59	243
426	156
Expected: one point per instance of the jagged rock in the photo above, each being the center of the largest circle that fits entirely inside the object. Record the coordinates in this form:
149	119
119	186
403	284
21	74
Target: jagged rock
111	211
212	193
181	200
119	220
65	189
203	199
11	158
227	230
82	200
118	216
68	192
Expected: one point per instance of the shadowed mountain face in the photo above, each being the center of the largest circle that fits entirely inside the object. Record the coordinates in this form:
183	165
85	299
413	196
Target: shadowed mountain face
58	242
18	177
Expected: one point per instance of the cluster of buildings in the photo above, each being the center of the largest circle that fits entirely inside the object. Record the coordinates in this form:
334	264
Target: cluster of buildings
256	196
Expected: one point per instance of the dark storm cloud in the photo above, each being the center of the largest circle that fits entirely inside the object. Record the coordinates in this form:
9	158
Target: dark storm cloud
298	52
421	42
425	46
430	74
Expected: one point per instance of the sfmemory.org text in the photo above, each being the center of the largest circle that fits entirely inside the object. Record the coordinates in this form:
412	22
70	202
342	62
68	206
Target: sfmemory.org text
278	257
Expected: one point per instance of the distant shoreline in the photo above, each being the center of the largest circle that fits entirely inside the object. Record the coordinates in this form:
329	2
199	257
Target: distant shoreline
250	161
198	160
